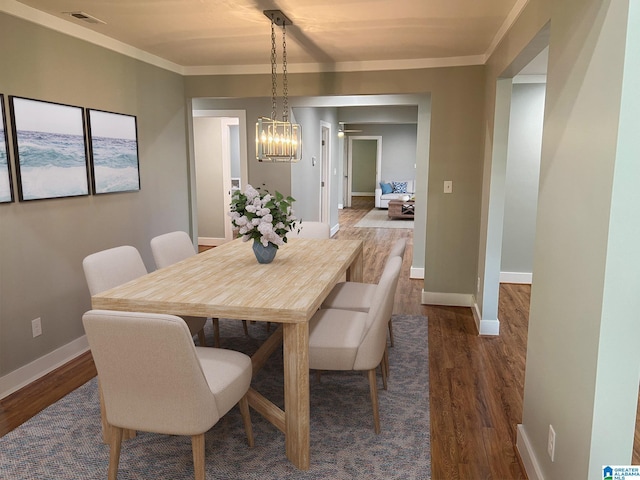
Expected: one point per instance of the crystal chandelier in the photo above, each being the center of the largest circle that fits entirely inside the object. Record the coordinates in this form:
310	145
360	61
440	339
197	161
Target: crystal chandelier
278	141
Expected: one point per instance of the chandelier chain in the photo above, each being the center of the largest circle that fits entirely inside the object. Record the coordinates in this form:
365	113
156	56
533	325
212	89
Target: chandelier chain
285	82
274	76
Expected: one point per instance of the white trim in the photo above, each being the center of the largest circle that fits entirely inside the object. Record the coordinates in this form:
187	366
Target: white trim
528	457
489	327
39	17
211	241
477	316
325	170
449	299
365	66
23	376
225	123
416	272
484	326
334	229
516	277
505	27
529	79
340	206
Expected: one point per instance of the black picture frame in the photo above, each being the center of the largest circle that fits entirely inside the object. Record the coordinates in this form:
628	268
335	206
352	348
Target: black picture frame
6	181
50	149
113	149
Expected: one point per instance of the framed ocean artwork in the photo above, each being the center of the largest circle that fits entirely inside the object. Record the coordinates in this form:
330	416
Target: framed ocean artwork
50	149
6	185
113	147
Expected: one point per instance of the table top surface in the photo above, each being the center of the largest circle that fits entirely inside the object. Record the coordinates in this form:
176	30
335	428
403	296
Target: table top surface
228	282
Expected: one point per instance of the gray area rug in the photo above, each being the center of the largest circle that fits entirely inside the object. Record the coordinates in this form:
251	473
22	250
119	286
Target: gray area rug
63	442
378	218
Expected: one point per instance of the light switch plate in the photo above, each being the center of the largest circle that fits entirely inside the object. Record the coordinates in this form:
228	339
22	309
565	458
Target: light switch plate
448	186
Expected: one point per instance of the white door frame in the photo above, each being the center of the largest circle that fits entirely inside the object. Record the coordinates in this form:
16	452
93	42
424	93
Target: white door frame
229	117
378	138
325	170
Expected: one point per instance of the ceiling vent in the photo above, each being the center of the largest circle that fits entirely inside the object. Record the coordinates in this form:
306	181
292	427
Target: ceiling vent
85	17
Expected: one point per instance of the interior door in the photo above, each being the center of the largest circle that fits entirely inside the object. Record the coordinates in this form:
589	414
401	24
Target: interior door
325	168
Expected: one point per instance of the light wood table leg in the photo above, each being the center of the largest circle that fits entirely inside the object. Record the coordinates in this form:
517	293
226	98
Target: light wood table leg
354	272
296	393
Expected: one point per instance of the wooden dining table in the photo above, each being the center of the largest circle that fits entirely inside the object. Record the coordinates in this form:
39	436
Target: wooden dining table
228	282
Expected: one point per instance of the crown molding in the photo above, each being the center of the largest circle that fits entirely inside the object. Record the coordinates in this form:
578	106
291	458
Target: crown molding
366	66
506	26
20	10
30	14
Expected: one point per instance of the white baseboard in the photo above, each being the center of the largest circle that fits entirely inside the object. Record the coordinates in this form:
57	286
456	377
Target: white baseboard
528	457
340	206
416	272
484	326
363	194
334	229
516	277
211	241
449	299
23	376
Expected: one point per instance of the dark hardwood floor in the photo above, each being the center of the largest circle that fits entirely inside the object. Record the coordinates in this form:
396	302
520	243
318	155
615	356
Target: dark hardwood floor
475	383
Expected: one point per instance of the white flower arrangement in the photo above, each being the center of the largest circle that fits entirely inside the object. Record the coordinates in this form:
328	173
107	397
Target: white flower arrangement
264	217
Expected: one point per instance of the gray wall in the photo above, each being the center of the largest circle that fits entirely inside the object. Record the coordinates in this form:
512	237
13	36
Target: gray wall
582	359
523	172
398	148
42	243
273	176
305	177
456	112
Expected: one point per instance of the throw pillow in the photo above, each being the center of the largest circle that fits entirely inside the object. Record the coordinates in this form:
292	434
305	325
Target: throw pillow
386	188
399	187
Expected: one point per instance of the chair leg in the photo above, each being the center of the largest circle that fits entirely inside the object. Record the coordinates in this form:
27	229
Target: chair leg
373	388
246	419
197	445
246	329
391	332
216	332
386	359
383	369
115	442
201	339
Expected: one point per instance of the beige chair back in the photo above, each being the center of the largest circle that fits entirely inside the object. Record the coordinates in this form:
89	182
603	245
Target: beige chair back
373	343
149	373
171	247
398	248
311	230
110	268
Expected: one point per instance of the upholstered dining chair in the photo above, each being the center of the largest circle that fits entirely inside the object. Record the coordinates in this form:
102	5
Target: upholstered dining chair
109	268
311	230
359	296
353	340
183	391
173	247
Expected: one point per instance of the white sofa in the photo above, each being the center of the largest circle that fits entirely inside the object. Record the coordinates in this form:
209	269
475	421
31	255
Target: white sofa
382	200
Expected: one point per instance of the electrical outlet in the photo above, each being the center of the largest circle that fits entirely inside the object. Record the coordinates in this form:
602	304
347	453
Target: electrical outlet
36	327
551	444
448	186
478	286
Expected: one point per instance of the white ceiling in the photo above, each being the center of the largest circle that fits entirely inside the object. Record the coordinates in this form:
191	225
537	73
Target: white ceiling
335	34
